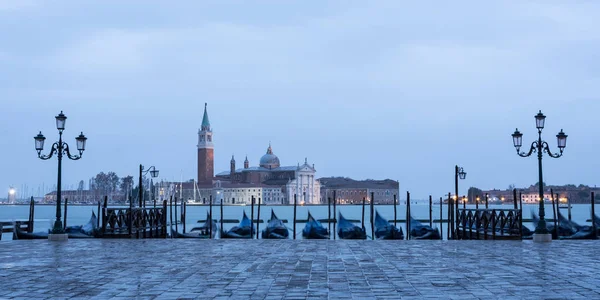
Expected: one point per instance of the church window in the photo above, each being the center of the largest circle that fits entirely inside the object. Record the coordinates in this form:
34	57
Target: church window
209	138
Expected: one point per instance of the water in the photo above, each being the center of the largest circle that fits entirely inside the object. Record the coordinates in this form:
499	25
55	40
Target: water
78	215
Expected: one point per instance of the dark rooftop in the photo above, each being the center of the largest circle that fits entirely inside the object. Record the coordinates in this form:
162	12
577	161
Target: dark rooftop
344	182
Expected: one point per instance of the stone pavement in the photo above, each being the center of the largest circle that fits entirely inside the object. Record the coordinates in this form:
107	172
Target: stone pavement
264	269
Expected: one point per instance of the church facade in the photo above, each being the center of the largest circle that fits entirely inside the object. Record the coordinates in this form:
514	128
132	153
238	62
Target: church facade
269	182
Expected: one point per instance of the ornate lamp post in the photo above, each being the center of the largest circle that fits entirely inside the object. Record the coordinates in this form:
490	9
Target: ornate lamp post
540	147
153	172
59	148
459	173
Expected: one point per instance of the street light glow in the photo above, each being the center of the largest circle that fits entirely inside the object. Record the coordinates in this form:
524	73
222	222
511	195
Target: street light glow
11	191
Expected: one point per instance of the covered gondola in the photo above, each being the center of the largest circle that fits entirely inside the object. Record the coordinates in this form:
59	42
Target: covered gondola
201	232
314	230
245	230
276	229
419	231
349	231
565	227
386	231
89	230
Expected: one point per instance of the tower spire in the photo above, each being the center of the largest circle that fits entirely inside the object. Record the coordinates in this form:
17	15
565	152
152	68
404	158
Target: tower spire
205	121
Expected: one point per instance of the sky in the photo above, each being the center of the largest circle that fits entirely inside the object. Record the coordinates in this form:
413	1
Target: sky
403	90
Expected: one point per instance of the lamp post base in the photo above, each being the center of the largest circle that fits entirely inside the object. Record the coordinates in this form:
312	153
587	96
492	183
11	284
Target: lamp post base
542	237
58	237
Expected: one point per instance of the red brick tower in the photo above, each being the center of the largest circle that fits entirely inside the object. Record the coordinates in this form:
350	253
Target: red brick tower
206	158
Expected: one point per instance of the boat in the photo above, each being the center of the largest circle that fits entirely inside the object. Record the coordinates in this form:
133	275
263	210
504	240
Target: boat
245	230
386	231
313	230
349	231
201	232
275	229
565	228
89	230
419	231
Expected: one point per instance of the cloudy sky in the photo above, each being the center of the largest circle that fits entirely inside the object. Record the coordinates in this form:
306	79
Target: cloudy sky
363	89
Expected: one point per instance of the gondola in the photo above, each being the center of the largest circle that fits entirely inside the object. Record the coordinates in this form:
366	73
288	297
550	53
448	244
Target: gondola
275	229
313	230
565	228
245	230
89	230
386	231
201	232
419	231
349	231
582	232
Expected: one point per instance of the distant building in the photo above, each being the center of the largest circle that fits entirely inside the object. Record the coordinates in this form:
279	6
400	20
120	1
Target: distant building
349	191
530	195
269	182
82	196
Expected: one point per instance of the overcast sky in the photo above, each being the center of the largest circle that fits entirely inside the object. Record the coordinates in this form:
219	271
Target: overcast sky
364	89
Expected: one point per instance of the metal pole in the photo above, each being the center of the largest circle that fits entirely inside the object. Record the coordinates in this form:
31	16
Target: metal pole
541	228
58	228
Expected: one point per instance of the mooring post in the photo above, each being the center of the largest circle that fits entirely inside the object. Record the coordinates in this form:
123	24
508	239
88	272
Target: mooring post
487	198
568	206
449	221
252	217
430	211
362	222
329	213
395	211
334	213
130	218
171	216
176	222
464	199
555	211
294	221
164	219
372	215
515	198
258	219
594	214
154	203
65	218
31	216
99	216
210	227
441	218
183	214
221	229
408	215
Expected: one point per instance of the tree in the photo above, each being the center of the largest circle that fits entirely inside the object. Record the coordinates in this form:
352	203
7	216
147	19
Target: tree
126	185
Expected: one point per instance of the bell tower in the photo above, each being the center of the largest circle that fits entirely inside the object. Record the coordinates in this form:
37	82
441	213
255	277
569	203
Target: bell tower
206	159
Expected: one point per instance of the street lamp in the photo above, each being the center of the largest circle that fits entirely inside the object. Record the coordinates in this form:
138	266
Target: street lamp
459	173
153	172
540	147
59	148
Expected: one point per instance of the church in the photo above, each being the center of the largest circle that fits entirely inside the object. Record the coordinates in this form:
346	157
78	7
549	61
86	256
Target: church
268	182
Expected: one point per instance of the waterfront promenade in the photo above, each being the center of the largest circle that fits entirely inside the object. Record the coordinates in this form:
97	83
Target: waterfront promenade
266	269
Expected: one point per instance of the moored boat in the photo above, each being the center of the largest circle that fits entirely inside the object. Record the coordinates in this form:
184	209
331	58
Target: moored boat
276	229
89	230
423	232
349	231
314	230
386	231
244	230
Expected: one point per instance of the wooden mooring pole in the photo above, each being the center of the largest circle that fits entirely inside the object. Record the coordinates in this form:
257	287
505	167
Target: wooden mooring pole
31	216
441	217
210	232
329	213
221	229
65	218
515	198
372	215
487	199
171	215
294	221
183	214
408	215
99	216
449	221
176	226
594	214
334	213
430	211
555	210
258	219
362	222
395	211
252	217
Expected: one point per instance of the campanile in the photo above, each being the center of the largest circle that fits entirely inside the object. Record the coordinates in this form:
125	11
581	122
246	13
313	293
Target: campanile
206	158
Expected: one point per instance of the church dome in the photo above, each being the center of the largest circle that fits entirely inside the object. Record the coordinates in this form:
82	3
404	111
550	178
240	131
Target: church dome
269	160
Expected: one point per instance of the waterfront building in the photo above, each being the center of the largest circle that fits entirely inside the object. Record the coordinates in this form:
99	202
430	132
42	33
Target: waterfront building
269	182
349	191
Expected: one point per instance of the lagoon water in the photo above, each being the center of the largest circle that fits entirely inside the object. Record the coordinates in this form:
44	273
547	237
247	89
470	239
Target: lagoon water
77	215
